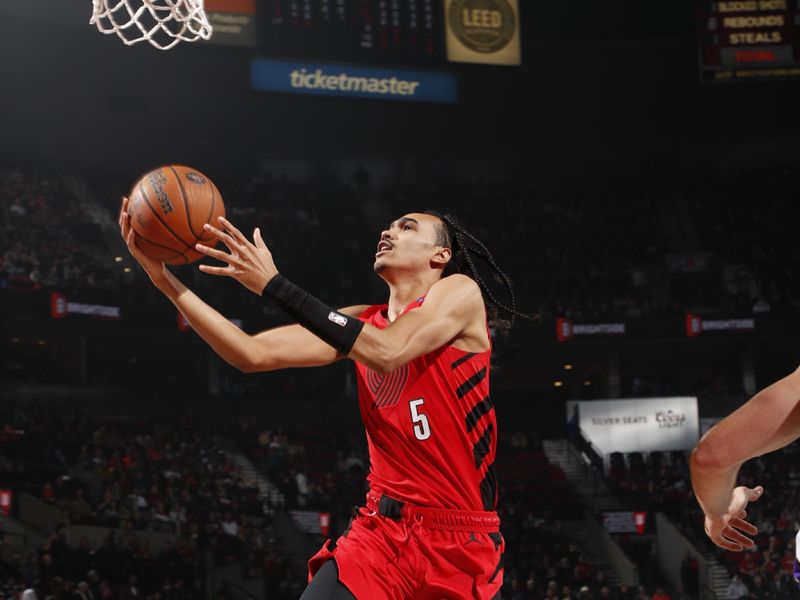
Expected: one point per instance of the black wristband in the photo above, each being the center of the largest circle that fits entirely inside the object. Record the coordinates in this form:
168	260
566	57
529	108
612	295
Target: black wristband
331	326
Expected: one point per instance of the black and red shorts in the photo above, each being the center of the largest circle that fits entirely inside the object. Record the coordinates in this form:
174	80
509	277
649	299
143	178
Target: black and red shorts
395	551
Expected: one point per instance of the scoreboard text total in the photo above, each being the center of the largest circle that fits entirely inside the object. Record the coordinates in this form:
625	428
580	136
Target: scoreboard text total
747	39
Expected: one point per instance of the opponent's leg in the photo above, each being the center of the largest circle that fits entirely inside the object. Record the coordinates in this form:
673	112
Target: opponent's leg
325	585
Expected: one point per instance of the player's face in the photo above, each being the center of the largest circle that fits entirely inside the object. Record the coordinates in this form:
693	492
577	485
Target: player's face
408	244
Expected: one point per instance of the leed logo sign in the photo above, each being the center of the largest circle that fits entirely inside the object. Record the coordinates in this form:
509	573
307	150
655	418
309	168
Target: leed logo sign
483	26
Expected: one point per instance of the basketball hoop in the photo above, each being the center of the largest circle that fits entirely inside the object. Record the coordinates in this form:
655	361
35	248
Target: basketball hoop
163	23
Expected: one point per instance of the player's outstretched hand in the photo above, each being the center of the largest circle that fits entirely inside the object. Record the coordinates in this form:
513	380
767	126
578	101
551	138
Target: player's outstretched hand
153	268
731	531
249	263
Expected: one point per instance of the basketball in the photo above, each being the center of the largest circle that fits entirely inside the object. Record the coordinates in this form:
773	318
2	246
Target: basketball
168	207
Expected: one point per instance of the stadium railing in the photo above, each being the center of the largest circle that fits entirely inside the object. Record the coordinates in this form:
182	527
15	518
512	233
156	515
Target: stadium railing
599	538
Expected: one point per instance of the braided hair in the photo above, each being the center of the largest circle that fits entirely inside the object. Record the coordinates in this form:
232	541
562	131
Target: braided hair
466	247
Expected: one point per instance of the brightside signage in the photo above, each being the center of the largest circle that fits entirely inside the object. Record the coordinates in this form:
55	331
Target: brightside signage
567	330
697	325
347	80
640	425
61	307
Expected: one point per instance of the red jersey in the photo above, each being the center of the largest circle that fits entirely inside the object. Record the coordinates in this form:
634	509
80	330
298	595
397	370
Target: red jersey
431	427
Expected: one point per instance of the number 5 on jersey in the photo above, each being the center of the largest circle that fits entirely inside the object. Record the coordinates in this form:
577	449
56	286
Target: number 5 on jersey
422	430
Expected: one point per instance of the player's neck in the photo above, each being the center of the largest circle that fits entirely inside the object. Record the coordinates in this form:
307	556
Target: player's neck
402	293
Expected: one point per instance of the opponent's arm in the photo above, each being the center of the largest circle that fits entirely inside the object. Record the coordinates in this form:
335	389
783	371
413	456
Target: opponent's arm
278	348
768	421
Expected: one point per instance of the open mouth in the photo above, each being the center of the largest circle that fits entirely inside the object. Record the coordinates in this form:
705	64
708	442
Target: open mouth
383	246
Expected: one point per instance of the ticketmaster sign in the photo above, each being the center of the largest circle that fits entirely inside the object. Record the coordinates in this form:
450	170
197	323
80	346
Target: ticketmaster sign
346	80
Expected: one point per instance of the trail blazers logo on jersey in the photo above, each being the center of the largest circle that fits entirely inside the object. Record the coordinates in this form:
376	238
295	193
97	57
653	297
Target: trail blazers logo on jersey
387	388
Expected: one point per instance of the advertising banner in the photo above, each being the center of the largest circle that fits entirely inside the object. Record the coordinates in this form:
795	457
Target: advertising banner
697	325
312	521
640	425
567	330
61	307
624	522
5	502
328	79
233	22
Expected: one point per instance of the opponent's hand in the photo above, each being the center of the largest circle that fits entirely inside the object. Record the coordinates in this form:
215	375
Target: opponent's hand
729	530
153	268
249	263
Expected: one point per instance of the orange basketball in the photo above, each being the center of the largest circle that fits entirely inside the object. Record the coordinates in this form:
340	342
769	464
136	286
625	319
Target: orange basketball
168	208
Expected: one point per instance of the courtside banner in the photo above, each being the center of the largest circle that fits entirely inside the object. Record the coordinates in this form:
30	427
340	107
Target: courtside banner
352	81
60	307
624	521
697	325
640	424
567	330
312	521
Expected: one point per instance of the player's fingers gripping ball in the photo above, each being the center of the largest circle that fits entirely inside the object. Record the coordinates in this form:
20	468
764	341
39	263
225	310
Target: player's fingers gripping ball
168	208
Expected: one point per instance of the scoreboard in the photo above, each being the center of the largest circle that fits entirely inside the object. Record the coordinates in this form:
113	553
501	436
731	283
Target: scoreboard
363	31
749	39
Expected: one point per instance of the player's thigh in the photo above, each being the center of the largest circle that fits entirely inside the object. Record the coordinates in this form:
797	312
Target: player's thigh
326	585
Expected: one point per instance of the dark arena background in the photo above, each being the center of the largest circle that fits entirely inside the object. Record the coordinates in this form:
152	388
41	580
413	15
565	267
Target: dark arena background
633	166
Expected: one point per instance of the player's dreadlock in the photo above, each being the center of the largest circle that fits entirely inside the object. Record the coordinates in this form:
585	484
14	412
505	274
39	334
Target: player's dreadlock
466	247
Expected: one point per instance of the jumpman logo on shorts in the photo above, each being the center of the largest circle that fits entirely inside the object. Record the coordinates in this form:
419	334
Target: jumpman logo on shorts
472	538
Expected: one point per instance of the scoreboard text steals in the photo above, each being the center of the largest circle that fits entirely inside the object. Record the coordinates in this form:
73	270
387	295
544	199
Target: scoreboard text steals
748	39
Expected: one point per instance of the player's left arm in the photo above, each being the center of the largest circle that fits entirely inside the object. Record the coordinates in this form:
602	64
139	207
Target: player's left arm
451	307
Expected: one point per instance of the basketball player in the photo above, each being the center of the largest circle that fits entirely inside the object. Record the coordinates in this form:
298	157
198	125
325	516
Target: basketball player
769	421
429	529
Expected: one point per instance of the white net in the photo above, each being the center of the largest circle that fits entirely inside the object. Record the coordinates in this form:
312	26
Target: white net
162	23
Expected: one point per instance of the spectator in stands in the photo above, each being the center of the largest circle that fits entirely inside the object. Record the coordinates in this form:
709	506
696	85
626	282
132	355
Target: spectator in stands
83	592
79	510
759	589
625	593
737	589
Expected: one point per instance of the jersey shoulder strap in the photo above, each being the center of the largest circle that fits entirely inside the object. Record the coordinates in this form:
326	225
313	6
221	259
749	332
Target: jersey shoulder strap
370	311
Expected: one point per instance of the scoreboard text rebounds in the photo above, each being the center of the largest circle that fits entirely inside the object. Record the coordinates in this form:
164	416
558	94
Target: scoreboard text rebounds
748	39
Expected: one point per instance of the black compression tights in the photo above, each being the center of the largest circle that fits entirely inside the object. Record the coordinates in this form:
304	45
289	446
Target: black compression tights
326	585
